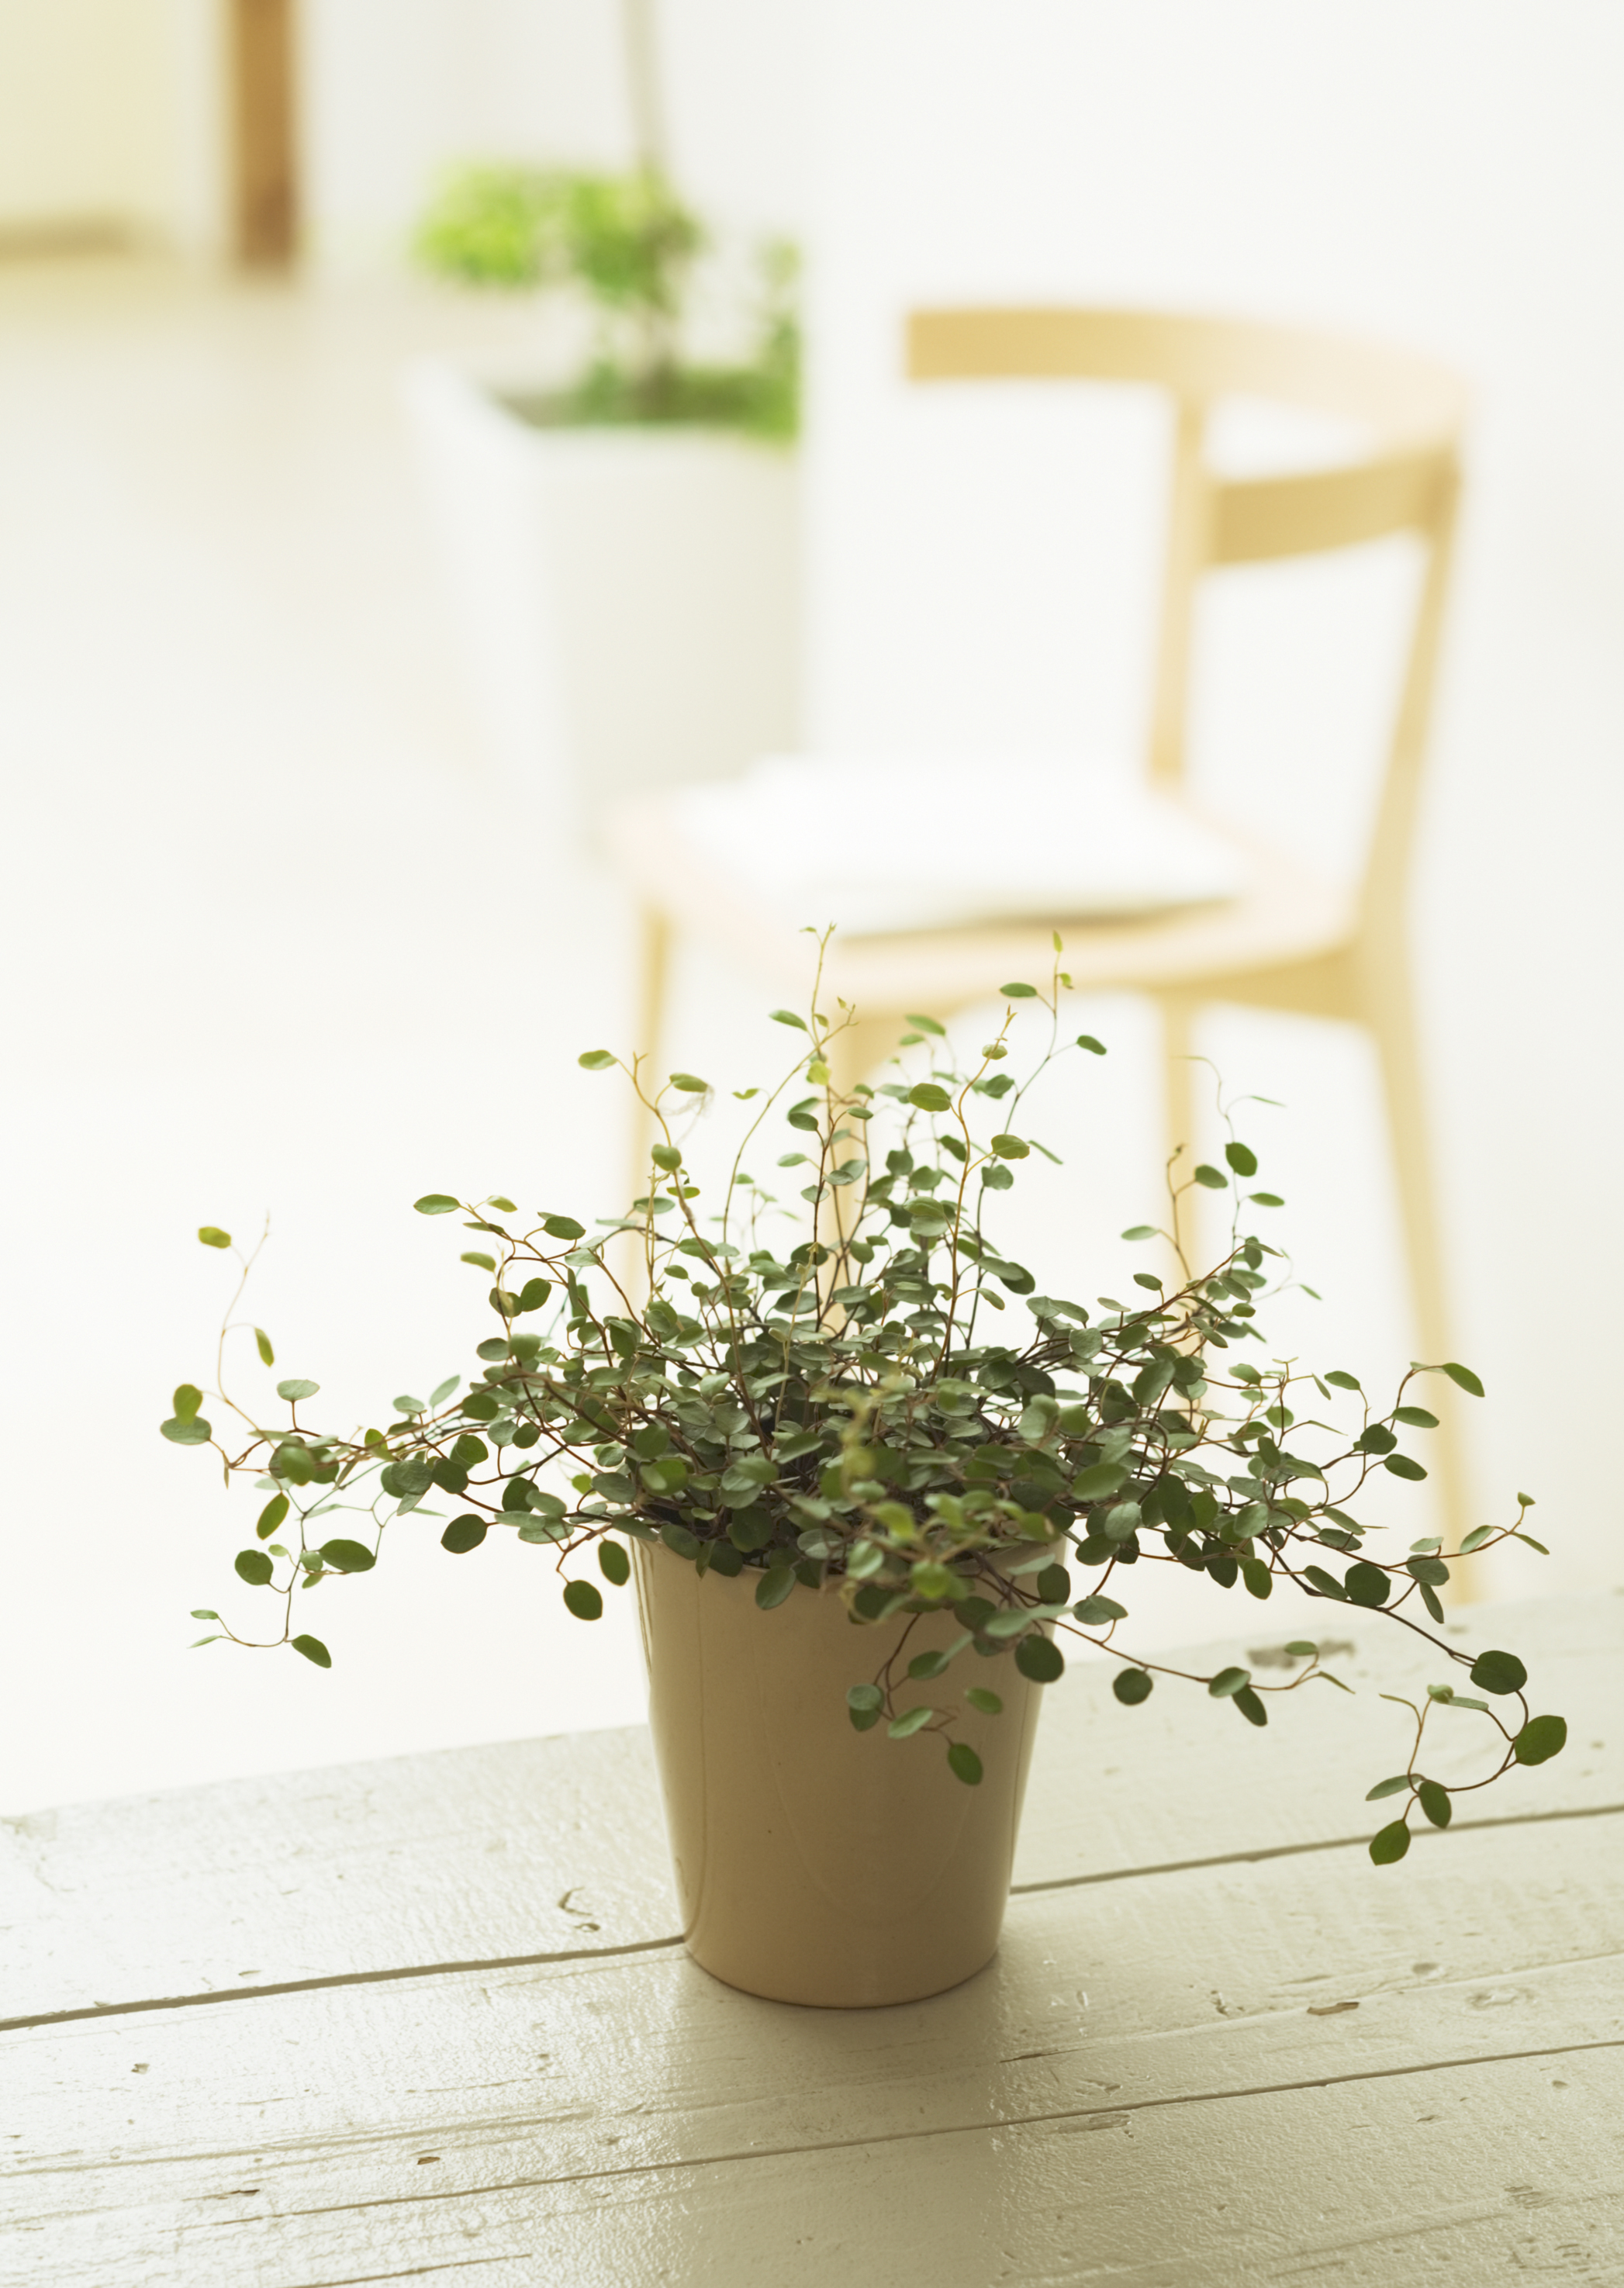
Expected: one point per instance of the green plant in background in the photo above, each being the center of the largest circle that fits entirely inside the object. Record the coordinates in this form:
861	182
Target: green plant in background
629	244
824	1396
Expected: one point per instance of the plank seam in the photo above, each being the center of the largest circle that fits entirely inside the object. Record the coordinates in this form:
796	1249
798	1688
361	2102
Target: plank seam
941	2129
653	1945
1304	1850
339	1978
416	2271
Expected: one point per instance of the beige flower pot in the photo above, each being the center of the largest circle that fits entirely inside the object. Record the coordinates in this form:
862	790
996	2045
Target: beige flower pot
815	1863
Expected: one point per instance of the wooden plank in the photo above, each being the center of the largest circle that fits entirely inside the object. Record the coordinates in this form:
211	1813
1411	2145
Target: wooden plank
536	1846
1484	2177
550	1846
1172	1780
1340	2063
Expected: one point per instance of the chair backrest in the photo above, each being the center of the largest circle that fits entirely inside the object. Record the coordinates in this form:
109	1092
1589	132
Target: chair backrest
1408	481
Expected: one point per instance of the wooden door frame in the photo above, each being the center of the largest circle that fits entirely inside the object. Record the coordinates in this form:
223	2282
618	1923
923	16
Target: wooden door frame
264	92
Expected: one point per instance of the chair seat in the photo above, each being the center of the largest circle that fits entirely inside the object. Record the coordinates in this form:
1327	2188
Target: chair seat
950	882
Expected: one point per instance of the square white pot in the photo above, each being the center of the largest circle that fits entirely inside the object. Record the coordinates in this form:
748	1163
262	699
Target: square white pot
627	599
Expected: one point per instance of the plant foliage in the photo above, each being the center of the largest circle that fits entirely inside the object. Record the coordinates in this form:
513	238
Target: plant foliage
828	1398
629	245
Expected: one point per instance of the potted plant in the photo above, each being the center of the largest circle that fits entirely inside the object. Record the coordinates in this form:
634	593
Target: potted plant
624	541
870	1482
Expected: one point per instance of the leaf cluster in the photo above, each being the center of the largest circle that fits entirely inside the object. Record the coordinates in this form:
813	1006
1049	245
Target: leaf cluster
855	1392
629	245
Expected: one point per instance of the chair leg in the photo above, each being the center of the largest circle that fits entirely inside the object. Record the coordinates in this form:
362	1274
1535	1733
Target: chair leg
1389	1014
860	1051
1181	1080
649	986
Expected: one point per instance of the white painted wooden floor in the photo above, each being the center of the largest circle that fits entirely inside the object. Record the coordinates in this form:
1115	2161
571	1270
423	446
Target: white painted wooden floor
409	2020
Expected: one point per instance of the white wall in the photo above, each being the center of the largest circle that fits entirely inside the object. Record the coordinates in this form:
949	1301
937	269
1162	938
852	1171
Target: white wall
110	111
395	90
1445	172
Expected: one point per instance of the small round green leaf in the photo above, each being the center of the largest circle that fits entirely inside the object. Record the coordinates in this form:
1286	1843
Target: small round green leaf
1241	1159
614	1563
1250	1706
584	1599
1213	1179
1257	1576
348	1556
1402	1467
1094	1612
1228	1681
690	1084
1499	1671
463	1534
1099	1479
596	1060
481	1262
929	1098
788	1016
254	1567
1416	1417
666	1156
1020	992
196	1432
988	1703
561	1226
774	1586
1541	1738
1368	1584
1435	1802
1087	1041
213	1235
905	1727
964	1763
1463	1378
1266	1199
1131	1686
294	1390
1039	1659
437	1203
865	1695
186	1402
313	1649
1389	1845
1012	1148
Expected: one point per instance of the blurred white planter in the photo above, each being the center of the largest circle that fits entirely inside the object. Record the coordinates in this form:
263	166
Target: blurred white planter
628	598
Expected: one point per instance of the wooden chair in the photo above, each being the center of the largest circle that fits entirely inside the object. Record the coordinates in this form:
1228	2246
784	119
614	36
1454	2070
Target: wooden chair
1291	940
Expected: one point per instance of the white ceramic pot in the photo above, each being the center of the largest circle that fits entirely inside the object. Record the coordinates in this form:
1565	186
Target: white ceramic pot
627	599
